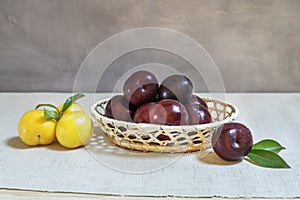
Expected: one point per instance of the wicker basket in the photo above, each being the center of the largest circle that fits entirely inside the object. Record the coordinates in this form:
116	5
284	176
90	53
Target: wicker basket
162	138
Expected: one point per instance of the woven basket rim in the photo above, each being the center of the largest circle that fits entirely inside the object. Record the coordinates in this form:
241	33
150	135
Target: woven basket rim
166	127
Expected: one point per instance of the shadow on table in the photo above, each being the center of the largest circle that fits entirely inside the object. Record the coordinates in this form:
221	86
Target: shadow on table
55	146
15	142
99	143
212	158
138	162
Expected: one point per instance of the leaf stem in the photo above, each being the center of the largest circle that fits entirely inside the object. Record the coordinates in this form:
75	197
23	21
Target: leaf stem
69	101
46	105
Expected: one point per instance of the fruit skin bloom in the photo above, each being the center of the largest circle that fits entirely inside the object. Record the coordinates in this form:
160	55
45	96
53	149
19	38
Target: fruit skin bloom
35	130
74	129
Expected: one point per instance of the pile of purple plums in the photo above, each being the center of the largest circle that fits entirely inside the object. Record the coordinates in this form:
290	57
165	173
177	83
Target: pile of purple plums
172	102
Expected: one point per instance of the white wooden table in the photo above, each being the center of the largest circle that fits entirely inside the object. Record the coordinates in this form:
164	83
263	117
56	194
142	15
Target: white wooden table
101	170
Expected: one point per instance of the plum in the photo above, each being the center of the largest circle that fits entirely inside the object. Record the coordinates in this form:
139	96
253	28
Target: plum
198	114
195	99
141	115
232	141
140	87
177	87
119	108
168	112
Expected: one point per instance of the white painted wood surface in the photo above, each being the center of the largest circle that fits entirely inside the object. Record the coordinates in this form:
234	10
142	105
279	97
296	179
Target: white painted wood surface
103	169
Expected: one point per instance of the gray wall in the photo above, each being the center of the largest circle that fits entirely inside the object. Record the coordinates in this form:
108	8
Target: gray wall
255	44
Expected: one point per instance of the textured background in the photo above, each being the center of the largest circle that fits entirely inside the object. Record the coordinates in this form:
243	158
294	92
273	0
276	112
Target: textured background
255	44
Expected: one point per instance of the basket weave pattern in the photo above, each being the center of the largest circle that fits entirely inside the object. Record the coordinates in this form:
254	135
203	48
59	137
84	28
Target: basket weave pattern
161	138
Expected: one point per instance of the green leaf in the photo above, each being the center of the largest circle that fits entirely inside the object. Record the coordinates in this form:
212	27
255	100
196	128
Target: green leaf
46	105
70	100
49	114
269	145
265	158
